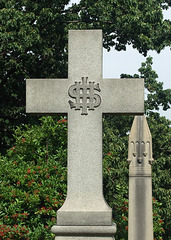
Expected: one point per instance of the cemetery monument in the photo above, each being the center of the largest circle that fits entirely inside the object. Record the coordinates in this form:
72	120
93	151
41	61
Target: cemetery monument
85	96
140	216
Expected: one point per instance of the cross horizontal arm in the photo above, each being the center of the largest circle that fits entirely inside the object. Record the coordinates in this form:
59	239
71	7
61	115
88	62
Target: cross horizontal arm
47	96
122	96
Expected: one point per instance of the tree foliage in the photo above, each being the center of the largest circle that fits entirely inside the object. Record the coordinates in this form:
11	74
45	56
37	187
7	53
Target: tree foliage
157	97
33	44
33	179
33	37
139	23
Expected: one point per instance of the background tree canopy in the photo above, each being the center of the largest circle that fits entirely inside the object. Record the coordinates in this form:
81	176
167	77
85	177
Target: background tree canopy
33	44
33	37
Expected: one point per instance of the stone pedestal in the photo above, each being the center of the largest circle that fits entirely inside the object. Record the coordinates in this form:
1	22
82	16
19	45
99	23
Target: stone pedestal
84	232
84	238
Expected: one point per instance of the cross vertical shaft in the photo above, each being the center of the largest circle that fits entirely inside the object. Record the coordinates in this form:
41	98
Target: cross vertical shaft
85	139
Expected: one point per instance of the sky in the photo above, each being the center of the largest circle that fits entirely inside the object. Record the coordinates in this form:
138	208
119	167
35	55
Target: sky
129	61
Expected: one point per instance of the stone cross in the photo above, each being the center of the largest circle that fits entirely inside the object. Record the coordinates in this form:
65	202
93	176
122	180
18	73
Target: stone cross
140	217
85	96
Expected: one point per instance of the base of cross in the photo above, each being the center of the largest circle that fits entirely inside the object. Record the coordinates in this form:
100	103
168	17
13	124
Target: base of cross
84	238
84	232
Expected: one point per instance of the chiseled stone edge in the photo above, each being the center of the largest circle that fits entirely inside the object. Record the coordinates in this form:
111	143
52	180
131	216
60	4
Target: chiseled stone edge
84	230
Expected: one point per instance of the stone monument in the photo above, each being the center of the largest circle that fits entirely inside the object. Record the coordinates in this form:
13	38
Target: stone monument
140	216
84	97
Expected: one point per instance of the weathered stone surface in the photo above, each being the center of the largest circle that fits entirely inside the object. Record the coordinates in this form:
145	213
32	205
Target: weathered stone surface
85	204
84	230
83	238
45	96
140	220
118	96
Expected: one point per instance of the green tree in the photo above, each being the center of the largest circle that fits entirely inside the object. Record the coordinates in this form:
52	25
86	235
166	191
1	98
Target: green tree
139	23
33	37
33	44
33	180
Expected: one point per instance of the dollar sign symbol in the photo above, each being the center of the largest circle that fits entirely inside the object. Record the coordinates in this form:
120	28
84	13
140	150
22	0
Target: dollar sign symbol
84	96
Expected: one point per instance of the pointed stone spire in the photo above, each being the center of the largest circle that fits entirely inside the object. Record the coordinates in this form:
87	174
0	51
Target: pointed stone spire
140	219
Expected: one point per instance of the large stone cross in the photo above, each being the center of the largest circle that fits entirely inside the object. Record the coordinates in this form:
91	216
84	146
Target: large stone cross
84	97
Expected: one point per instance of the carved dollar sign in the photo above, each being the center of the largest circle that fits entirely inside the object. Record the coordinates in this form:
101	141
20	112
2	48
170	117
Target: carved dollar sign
84	96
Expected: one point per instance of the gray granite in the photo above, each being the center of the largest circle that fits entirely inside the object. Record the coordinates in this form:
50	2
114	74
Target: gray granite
44	96
83	238
84	230
140	219
94	96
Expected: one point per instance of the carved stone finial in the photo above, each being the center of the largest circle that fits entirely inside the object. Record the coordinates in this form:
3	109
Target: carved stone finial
140	147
